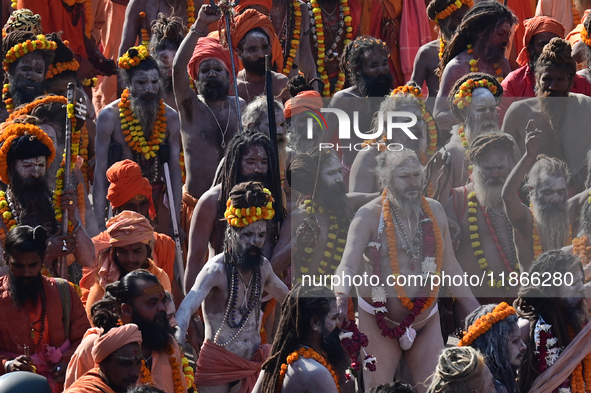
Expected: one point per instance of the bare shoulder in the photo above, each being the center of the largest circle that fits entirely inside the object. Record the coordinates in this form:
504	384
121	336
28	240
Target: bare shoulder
437	209
280	78
110	111
368	156
210	197
345	93
307	375
429	49
215	268
370	210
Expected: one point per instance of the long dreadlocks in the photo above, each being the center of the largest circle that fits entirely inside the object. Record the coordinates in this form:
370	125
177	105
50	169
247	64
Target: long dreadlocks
167	33
297	309
479	23
534	302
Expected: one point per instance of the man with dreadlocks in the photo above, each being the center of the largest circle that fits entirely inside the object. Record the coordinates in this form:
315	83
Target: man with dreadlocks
556	313
136	127
555	112
167	35
490	247
418	242
462	370
500	342
368	70
250	157
479	44
545	224
230	288
447	16
402	99
307	354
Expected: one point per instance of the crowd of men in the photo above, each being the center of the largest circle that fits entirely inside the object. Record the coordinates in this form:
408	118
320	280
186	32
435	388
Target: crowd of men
162	231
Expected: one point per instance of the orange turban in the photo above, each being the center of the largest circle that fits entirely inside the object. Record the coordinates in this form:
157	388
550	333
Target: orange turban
126	182
537	25
114	339
302	102
128	228
210	48
249	3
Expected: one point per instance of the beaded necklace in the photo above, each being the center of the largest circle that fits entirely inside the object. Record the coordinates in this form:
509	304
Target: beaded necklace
291	35
474	65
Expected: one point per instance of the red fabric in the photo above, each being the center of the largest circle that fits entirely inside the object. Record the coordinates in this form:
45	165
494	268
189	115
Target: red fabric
218	366
523	10
90	383
537	25
210	48
126	182
388	10
55	18
414	33
302	101
249	3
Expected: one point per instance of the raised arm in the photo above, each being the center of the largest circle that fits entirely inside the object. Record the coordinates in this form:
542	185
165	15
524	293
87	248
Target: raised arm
442	113
174	141
305	59
516	211
131	27
104	130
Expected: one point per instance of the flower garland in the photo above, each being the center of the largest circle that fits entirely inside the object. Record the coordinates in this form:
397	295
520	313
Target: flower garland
7	216
241	217
295	37
485	322
28	108
8	101
134	136
14	131
477	247
474	65
21	49
354	341
183	169
452	8
127	61
144	31
189	373
89	82
319	33
585	37
337	233
464	97
307	353
548	350
581	249
58	68
146	376
442	44
465	144
427	117
190	14
538	248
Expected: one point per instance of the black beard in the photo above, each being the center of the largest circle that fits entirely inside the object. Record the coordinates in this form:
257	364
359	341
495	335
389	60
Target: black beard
256	67
377	86
24	289
335	198
20	95
145	108
34	198
336	355
248	261
156	333
213	89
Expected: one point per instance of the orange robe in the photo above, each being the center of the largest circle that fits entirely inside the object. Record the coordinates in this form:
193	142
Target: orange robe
163	256
55	18
82	361
522	10
15	328
97	291
90	383
561	10
390	11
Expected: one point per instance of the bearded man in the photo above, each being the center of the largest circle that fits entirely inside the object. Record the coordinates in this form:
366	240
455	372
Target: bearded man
447	16
131	241
230	287
138	298
368	71
418	226
520	83
29	199
250	157
479	46
480	202
555	112
125	130
204	142
26	74
556	314
298	110
545	226
309	320
43	317
402	99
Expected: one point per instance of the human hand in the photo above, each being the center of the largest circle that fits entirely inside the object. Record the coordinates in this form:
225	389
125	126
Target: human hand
69	202
21	363
206	16
532	140
59	245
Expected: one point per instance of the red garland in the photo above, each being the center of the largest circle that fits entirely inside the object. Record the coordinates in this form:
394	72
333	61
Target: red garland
543	353
492	231
353	346
428	251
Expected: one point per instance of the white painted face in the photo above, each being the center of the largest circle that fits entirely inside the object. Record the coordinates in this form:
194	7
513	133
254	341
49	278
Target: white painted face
483	106
31	167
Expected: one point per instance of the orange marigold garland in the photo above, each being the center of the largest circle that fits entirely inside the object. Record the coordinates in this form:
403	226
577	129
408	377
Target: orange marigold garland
144	31
585	37
296	36
190	14
8	101
28	108
58	68
21	49
239	218
441	47
134	135
464	97
452	8
474	66
307	353
127	62
582	249
485	322
7	217
177	375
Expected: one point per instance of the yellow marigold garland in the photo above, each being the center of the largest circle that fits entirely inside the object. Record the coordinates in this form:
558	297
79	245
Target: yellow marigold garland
8	101
7	218
58	68
485	322
190	14
441	47
322	48
132	129
146	375
13	131
245	216
21	49
307	353
452	8
464	97
580	381
127	62
189	372
474	65
295	37
145	34
89	82
28	108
